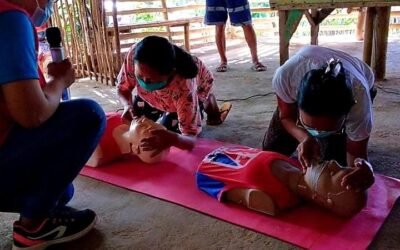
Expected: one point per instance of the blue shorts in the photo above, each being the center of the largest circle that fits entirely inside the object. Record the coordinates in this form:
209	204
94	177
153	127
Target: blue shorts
217	12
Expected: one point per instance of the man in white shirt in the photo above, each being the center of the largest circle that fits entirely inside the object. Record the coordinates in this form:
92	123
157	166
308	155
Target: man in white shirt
324	109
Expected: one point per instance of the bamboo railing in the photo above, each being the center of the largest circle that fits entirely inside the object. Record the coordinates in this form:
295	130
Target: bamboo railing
83	27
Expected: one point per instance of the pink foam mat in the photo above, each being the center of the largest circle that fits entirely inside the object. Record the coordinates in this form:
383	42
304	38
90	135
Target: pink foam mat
306	226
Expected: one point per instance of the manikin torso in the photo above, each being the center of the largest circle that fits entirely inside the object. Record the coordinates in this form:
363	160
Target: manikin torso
120	139
320	184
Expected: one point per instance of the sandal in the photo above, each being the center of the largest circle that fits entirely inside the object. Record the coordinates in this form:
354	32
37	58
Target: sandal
223	67
258	67
224	111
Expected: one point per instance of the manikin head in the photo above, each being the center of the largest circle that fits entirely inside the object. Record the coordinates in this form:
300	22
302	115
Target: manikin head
120	139
141	128
322	185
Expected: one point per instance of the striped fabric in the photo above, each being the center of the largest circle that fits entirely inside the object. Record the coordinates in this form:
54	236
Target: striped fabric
217	12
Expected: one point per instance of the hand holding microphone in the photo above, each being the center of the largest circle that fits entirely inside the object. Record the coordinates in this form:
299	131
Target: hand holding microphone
53	36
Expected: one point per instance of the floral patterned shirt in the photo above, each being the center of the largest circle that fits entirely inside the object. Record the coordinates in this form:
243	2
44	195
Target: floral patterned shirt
180	95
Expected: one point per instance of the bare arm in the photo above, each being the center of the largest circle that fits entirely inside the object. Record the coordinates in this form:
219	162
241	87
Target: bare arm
185	142
356	149
288	115
162	139
362	176
28	104
125	97
124	89
308	149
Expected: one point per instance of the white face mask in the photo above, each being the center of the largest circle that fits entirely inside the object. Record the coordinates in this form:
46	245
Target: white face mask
41	16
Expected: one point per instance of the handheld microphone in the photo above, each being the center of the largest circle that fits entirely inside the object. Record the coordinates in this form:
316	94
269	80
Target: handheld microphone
53	36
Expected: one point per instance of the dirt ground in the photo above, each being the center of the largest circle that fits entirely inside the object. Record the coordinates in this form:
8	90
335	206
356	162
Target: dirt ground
128	220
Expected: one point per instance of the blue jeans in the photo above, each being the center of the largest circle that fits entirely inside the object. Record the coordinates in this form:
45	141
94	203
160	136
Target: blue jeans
37	166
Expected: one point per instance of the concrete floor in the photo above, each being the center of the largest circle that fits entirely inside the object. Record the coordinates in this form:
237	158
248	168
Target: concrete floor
128	220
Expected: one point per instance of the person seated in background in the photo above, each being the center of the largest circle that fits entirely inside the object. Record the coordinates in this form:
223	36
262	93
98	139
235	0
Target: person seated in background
171	85
324	110
120	139
271	183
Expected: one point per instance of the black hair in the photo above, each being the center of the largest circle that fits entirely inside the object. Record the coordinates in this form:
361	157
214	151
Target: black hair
326	91
161	55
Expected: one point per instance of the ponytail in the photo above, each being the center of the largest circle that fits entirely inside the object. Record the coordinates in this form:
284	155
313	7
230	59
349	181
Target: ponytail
185	64
326	91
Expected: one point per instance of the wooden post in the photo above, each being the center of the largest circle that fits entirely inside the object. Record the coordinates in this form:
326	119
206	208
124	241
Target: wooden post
288	22
381	28
165	14
283	45
314	27
186	33
116	34
368	35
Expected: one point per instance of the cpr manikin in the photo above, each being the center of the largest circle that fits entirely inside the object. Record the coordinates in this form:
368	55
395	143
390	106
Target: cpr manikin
269	182
120	139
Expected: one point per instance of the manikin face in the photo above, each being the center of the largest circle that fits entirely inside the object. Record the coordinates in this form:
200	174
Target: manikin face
323	186
141	128
122	139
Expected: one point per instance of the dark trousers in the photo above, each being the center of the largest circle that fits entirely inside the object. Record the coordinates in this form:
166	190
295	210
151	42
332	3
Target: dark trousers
37	166
167	119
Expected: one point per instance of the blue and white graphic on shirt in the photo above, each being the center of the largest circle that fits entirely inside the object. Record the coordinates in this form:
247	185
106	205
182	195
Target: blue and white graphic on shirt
231	157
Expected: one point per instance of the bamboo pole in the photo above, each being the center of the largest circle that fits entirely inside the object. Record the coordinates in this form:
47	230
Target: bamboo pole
97	41
106	40
73	53
88	42
83	36
72	22
116	34
105	65
57	22
165	14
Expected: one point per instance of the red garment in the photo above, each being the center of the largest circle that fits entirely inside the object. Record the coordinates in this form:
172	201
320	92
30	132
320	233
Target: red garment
109	147
228	168
6	121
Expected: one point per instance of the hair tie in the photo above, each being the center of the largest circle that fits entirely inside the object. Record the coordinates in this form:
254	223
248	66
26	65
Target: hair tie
333	68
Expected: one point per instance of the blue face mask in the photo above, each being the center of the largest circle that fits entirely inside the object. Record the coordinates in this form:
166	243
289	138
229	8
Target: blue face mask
41	16
320	134
151	86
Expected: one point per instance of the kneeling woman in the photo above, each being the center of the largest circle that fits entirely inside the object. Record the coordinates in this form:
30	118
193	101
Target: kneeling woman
172	86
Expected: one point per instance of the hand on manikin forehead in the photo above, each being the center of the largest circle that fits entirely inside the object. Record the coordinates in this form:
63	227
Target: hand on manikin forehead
139	129
323	183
